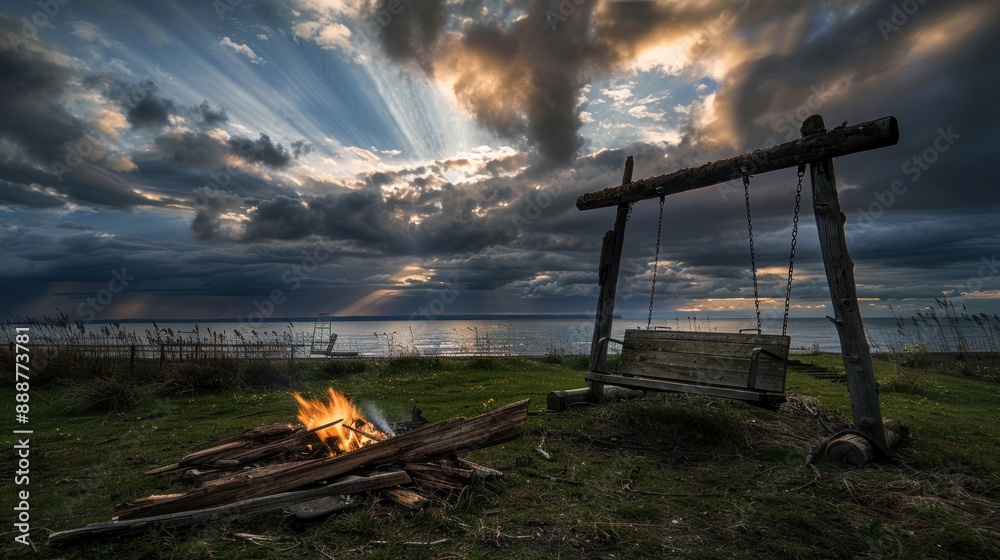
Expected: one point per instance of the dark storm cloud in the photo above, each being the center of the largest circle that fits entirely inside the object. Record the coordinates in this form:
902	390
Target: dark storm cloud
261	150
452	219
524	77
545	68
19	194
212	115
301	148
31	96
150	109
198	149
412	33
50	150
210	204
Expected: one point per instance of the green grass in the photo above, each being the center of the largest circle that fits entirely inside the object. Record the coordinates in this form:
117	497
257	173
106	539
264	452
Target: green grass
679	476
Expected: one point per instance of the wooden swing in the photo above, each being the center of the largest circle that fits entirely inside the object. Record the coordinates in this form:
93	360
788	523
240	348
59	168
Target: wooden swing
749	367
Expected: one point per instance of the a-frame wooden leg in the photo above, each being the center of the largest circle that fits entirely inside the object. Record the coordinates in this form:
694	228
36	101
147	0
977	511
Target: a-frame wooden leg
843	292
611	260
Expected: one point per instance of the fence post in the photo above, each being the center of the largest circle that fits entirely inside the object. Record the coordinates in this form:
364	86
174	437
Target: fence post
163	354
131	358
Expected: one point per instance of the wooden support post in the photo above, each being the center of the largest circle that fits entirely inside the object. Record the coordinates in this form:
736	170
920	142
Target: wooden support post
611	260
843	292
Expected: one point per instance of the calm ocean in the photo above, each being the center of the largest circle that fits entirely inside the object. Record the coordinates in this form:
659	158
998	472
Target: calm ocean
520	336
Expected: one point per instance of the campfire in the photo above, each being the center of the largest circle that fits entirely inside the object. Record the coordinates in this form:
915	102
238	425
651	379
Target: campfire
310	468
347	428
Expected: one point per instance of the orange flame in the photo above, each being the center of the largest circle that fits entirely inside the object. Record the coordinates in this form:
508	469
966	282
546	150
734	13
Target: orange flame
314	413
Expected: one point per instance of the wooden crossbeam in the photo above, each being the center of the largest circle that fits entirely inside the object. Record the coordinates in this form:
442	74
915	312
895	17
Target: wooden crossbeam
812	149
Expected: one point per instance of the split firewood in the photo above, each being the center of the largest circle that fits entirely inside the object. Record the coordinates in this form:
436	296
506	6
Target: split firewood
292	443
243	507
239	452
406	498
439	476
321	507
482	473
267	432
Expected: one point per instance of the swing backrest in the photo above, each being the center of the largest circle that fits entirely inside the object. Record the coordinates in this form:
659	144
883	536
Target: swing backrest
754	362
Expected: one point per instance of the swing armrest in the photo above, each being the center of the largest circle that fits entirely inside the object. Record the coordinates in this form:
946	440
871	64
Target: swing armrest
754	358
602	342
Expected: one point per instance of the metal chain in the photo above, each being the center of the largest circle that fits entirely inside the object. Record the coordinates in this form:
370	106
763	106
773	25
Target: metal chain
656	264
791	256
753	256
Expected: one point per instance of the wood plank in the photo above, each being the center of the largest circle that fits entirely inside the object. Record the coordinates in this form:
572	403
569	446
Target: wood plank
843	292
715	348
675	387
724	350
243	507
814	148
735	338
738	380
765	364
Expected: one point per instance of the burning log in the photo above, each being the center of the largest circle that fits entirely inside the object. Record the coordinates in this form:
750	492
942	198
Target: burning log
243	507
363	433
290	443
421	445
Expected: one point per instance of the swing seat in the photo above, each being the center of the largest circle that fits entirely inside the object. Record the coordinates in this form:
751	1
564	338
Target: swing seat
747	367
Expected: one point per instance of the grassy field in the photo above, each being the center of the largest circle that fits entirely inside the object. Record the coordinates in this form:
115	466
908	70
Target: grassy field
678	476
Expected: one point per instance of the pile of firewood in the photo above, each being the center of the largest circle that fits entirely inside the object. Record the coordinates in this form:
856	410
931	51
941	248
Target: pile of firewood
283	466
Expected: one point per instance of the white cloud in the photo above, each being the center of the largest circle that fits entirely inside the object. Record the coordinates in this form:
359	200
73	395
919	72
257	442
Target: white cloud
122	162
245	50
107	122
643	112
362	153
90	33
333	36
619	94
306	29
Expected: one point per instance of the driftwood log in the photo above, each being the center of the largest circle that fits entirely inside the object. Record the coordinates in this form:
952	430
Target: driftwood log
425	444
561	400
243	507
856	450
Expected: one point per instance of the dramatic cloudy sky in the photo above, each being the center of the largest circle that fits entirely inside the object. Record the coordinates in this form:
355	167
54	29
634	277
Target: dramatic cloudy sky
364	157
